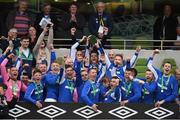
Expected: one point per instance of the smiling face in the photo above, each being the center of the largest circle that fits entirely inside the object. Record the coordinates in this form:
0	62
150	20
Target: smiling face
92	74
167	68
177	74
127	74
113	83
42	68
118	60
43	44
55	67
13	33
149	75
23	5
14	72
1	91
79	56
84	75
25	43
111	55
94	58
69	72
37	76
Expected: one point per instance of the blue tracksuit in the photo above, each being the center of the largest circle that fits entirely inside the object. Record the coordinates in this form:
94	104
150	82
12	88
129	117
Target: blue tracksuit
113	69
113	96
131	91
90	93
79	90
66	90
34	92
52	85
103	90
148	92
167	86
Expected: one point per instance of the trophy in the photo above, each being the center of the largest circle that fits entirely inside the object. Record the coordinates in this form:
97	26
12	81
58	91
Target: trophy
92	39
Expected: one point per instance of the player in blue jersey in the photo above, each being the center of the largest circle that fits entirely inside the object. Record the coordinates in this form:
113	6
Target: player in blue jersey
67	86
34	92
90	92
51	80
148	88
131	90
113	95
167	85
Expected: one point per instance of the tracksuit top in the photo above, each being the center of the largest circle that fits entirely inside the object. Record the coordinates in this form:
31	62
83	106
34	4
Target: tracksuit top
167	86
90	93
34	92
131	91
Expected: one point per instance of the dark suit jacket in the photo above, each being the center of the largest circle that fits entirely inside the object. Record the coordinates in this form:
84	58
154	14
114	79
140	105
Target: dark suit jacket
170	24
67	25
94	23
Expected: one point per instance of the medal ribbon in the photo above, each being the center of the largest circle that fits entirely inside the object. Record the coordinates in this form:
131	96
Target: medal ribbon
38	89
162	82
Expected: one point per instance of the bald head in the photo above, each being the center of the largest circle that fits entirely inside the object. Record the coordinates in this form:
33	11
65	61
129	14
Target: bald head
100	7
111	55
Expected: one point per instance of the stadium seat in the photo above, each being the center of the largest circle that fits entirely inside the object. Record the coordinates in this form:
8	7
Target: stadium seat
141	67
141	62
141	75
117	42
143	44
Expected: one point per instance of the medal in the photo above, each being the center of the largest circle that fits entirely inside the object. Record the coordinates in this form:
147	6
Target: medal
162	91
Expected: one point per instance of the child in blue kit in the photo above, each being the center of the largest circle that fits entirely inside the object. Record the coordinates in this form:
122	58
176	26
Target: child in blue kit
34	92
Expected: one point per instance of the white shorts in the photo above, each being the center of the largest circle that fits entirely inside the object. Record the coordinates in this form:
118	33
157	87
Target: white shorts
50	100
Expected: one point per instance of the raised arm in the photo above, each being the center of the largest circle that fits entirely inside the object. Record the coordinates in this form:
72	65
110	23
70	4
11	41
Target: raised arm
50	37
101	50
3	70
102	71
151	67
73	48
135	56
132	61
39	41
